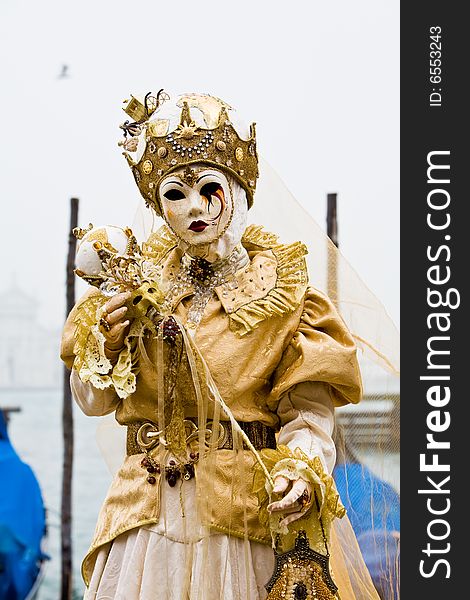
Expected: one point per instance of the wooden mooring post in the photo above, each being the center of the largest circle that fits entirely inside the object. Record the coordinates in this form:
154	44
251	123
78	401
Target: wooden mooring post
332	232
67	425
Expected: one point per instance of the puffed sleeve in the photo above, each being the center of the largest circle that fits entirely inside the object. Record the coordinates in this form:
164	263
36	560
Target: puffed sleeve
318	371
321	350
91	400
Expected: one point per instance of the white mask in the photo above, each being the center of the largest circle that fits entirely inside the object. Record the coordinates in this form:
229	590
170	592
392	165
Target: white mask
208	213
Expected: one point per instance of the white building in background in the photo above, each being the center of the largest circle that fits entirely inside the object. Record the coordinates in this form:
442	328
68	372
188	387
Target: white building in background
29	353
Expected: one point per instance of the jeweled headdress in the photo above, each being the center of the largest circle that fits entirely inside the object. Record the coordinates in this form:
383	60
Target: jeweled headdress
168	134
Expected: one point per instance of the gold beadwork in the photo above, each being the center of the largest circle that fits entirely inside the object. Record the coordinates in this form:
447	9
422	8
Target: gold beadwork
239	154
162	152
221	145
301	573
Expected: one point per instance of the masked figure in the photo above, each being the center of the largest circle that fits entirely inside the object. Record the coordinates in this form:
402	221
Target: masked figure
225	367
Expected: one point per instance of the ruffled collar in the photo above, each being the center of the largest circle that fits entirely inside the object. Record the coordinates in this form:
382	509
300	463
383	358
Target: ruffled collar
272	282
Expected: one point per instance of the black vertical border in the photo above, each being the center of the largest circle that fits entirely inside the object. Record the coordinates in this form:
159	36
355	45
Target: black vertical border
425	129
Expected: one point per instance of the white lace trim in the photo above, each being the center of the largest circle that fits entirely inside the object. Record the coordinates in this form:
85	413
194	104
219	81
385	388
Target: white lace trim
98	369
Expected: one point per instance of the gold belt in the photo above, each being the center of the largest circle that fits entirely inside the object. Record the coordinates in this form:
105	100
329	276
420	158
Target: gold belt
139	435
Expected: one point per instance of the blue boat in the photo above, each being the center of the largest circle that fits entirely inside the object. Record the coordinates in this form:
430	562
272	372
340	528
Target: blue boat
373	508
22	525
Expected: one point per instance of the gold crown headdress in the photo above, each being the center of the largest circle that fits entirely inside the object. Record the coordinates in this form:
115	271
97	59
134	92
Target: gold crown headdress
161	149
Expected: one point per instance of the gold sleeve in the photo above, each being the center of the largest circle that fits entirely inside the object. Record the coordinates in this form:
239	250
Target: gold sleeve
322	350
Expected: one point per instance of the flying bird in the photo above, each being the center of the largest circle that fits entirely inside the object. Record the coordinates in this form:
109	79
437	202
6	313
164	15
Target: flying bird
64	73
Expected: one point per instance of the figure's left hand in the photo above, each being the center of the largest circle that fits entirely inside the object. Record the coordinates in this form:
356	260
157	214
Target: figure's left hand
295	503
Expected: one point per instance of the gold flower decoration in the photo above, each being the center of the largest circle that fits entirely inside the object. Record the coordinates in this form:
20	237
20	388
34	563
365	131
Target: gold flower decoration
186	130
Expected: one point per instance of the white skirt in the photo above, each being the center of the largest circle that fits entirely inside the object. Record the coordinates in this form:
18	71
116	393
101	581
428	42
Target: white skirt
143	565
170	561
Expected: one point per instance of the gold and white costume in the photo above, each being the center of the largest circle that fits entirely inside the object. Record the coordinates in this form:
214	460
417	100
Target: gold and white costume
279	355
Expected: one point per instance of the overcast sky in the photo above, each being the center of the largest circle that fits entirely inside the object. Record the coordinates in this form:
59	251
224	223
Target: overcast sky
321	80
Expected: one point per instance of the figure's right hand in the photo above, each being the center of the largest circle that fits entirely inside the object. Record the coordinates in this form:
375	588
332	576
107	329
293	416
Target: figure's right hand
114	324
